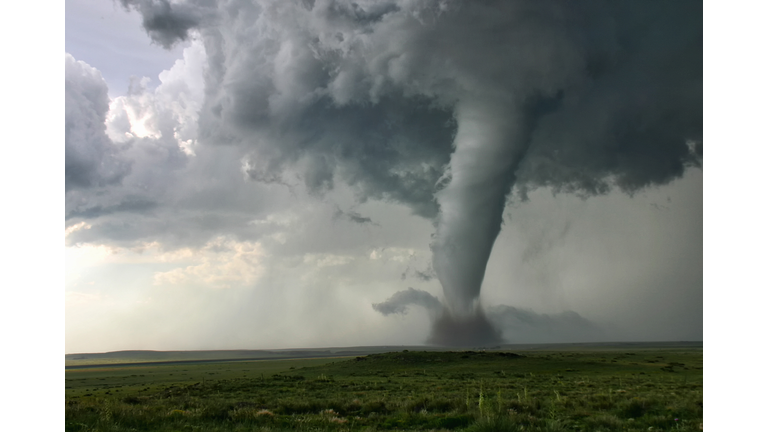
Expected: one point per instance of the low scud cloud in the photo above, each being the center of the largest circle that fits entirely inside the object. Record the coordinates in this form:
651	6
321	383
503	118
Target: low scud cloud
453	109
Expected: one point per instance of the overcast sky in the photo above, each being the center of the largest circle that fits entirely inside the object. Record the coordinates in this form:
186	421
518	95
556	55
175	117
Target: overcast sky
287	174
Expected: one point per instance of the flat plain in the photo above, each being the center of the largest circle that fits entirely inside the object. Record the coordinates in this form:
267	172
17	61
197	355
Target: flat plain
635	387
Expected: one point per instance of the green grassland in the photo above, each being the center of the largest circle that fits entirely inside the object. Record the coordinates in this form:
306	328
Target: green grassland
559	390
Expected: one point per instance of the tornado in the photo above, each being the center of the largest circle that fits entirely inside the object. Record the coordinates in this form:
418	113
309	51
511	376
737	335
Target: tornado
490	141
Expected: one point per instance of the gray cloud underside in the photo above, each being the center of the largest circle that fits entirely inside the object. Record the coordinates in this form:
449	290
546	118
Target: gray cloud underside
364	92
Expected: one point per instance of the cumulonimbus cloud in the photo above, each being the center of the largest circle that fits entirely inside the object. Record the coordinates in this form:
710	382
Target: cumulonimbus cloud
450	106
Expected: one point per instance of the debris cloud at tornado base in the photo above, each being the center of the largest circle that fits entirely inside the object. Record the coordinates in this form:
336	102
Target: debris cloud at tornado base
448	107
499	324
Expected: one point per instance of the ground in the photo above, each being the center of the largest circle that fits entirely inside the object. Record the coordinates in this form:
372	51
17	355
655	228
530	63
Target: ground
579	388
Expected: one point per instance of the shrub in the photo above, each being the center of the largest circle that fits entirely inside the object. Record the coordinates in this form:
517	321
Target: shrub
376	406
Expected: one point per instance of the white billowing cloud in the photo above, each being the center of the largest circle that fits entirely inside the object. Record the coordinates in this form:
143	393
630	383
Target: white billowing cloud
171	109
155	131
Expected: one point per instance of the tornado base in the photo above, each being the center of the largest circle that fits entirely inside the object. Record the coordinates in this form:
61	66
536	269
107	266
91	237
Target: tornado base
470	331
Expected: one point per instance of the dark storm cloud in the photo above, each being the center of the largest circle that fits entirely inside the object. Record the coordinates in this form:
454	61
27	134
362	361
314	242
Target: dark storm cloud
639	121
394	150
366	90
91	158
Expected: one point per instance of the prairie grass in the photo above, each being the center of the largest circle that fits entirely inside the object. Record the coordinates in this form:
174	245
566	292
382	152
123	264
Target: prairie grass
416	391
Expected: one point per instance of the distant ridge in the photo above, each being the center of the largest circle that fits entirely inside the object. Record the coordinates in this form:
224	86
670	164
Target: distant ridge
115	358
149	356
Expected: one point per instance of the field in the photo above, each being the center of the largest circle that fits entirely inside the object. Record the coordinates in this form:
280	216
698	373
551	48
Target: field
571	389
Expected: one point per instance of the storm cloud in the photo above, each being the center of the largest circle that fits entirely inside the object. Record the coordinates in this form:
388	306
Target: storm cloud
611	91
450	108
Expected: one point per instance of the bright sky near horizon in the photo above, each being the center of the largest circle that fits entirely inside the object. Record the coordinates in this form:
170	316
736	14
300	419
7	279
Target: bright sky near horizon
280	170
